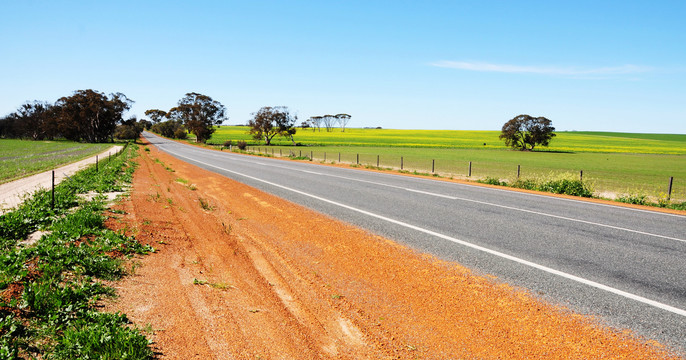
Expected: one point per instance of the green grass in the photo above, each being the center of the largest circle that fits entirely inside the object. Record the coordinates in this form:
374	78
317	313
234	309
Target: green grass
606	172
61	277
20	158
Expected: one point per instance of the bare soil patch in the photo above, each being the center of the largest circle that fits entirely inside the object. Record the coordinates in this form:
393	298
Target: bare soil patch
241	274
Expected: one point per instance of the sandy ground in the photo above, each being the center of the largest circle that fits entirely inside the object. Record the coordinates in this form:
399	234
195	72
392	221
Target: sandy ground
13	193
241	274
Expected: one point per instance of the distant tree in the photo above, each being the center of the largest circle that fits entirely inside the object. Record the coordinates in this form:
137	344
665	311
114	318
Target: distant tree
170	129
90	115
199	114
271	121
343	120
146	124
328	121
156	115
305	124
316	122
33	120
130	129
525	132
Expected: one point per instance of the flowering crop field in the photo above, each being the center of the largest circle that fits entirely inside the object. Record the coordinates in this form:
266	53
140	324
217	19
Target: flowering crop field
463	139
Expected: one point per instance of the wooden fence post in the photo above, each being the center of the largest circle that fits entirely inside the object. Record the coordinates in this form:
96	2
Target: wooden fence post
669	193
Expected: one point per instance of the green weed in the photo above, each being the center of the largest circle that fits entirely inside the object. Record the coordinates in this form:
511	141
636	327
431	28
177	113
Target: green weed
60	275
633	198
205	205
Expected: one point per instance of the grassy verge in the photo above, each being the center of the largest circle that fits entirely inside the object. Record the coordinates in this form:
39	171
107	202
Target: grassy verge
614	173
20	158
49	290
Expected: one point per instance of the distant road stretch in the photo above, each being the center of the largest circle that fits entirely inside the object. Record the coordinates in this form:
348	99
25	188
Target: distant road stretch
627	266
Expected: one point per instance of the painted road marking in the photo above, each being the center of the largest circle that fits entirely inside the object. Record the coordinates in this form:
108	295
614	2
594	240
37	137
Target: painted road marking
477	201
549	270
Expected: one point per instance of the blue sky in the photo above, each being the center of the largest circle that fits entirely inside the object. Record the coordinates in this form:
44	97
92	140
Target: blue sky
465	65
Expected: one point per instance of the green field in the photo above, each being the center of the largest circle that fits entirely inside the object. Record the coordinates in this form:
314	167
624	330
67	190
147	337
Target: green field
457	139
20	158
614	163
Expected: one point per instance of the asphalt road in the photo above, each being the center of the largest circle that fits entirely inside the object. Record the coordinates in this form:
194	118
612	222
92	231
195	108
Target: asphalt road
625	266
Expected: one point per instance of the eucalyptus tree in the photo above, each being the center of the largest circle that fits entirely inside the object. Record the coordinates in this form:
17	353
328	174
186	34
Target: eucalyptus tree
524	132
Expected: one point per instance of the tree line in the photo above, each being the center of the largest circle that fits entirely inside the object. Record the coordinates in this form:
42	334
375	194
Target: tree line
329	121
195	114
86	115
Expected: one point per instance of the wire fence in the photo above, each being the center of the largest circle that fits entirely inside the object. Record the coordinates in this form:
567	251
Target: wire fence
605	183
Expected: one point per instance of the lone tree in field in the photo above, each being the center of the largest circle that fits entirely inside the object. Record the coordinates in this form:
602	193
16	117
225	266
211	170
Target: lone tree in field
199	114
524	132
271	121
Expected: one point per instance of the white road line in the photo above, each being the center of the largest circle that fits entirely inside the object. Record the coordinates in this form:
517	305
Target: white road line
511	208
490	204
565	275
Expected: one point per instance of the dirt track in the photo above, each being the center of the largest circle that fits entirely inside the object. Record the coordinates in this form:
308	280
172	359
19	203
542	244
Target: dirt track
241	274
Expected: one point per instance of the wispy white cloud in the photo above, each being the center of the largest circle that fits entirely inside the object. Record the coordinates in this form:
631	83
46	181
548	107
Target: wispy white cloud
542	70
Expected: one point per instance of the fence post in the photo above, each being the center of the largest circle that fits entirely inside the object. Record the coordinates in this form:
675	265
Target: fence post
433	165
280	153
301	153
358	159
669	193
518	171
324	156
52	203
311	155
96	163
581	175
401	163
470	170
377	160
339	157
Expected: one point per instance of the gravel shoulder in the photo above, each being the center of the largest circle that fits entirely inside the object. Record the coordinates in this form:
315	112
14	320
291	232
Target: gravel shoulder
241	274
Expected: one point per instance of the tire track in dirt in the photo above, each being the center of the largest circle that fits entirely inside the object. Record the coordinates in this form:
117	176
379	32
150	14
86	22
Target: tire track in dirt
248	275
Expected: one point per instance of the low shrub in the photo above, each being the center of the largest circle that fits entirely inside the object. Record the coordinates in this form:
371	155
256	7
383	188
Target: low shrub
180	134
633	198
566	186
527	184
242	145
493	181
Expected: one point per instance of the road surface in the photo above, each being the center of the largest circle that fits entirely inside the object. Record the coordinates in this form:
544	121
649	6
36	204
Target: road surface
624	265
